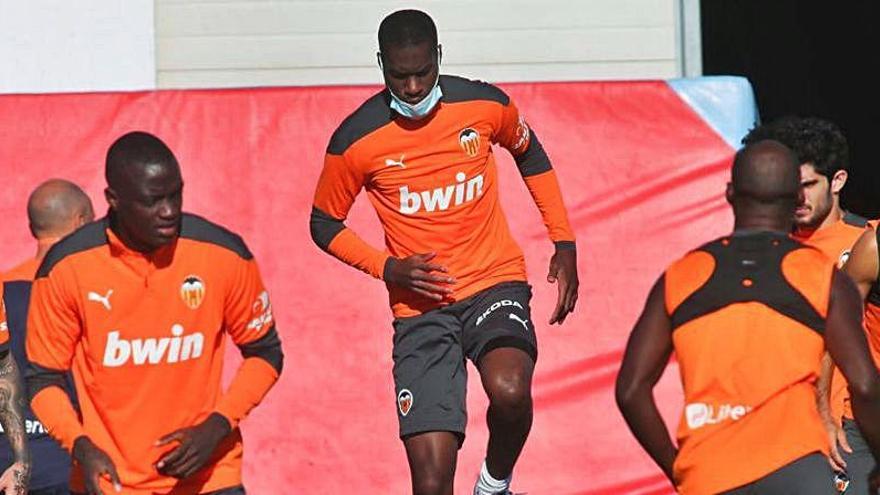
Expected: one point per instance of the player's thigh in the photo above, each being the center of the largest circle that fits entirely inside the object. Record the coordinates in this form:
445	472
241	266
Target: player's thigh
430	377
860	462
500	317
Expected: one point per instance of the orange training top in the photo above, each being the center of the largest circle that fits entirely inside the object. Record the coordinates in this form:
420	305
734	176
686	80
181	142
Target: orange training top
144	335
836	242
23	271
748	316
434	185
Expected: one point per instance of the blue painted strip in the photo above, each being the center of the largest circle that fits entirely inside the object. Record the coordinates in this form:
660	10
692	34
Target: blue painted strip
726	103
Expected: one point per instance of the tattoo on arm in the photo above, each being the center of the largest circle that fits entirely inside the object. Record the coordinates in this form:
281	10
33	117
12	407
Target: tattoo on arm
12	406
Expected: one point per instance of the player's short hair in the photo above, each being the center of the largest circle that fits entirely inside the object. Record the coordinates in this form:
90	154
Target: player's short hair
406	27
816	141
136	148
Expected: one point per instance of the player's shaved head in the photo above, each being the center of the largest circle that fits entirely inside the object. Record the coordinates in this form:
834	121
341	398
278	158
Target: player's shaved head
766	172
406	27
135	150
765	183
56	208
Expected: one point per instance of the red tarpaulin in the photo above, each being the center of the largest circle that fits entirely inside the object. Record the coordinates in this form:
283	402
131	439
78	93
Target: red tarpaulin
643	177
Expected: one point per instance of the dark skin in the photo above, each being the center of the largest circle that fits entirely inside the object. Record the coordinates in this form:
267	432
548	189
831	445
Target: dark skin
195	446
146	202
410	72
650	344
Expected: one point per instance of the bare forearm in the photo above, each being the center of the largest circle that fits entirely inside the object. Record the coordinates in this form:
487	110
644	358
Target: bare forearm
12	407
646	424
823	389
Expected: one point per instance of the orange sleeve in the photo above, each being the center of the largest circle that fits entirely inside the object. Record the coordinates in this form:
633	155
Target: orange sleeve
544	189
337	188
251	325
53	331
247	311
53	408
251	383
53	326
512	131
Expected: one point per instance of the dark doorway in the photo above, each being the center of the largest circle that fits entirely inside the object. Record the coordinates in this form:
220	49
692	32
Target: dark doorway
807	58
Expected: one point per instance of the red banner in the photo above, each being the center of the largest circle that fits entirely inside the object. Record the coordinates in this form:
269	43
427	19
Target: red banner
643	177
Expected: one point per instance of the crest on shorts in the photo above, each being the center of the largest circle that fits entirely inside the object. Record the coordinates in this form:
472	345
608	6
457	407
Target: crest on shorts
404	401
192	291
469	140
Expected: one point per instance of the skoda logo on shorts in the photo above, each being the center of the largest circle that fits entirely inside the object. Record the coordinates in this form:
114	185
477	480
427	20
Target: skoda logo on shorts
404	401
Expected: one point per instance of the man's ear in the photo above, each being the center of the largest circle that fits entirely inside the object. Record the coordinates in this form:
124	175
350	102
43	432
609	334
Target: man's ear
838	180
111	197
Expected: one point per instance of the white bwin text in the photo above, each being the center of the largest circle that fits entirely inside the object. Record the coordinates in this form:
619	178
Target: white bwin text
153	351
442	197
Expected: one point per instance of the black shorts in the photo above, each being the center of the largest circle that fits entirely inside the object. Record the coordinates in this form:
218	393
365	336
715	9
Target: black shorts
430	373
860	463
809	475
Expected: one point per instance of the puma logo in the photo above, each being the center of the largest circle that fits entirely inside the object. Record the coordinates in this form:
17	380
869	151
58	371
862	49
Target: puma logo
395	163
104	300
517	318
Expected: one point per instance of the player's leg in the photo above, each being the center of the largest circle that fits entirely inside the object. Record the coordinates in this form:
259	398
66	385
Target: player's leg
432	456
860	462
430	379
500	338
506	373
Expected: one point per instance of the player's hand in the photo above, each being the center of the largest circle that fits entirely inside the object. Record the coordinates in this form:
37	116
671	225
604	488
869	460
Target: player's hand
95	463
15	479
419	275
563	270
196	445
837	438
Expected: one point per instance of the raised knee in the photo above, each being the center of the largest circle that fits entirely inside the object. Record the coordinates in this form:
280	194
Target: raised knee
510	391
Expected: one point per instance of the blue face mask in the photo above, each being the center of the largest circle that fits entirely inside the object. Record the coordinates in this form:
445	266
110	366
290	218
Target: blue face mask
420	110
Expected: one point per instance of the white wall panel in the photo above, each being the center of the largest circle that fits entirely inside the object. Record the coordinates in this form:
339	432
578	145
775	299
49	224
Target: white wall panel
85	45
226	43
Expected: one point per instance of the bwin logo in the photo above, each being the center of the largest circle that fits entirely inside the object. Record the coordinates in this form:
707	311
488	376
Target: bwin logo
442	197
153	351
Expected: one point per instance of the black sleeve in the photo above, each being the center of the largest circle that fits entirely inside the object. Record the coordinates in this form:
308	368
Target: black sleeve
534	160
267	348
324	228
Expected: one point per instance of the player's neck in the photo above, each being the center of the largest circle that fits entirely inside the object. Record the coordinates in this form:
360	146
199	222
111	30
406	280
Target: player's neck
43	246
765	223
